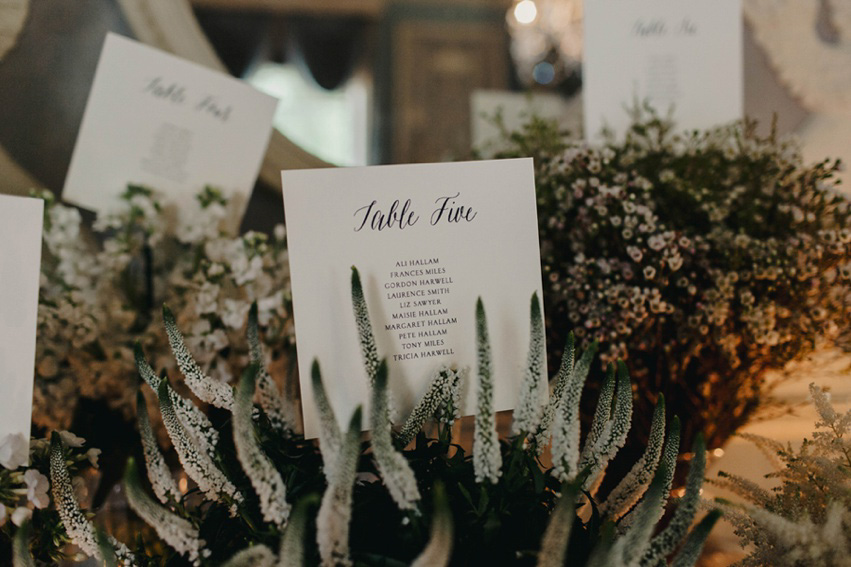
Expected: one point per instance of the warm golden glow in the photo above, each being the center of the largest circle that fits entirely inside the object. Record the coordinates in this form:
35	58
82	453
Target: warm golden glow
525	11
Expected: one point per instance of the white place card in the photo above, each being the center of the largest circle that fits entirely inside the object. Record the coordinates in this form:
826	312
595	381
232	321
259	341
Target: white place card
684	55
20	267
428	240
157	120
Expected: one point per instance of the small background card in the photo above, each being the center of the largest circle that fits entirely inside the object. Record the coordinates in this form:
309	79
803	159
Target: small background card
157	120
685	53
423	262
20	268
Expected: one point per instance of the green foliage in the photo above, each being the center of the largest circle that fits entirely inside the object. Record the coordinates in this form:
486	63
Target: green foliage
425	504
806	520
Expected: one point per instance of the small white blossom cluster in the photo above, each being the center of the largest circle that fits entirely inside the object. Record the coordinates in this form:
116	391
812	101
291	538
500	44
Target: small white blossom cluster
101	291
24	468
441	401
79	529
22	489
807	519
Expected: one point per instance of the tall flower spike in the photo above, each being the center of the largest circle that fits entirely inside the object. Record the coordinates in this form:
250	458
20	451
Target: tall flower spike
330	438
279	409
335	512
21	556
177	532
394	468
557	535
631	546
664	543
265	479
616	429
487	459
565	436
158	472
667	466
690	551
208	390
197	464
562	382
197	425
633	485
529	404
601	423
291	551
79	529
438	550
444	391
367	339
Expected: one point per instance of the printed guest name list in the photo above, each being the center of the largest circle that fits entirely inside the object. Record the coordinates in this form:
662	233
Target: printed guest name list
414	287
418	315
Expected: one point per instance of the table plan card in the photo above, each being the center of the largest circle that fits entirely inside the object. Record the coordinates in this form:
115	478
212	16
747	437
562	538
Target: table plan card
20	268
157	120
684	55
428	240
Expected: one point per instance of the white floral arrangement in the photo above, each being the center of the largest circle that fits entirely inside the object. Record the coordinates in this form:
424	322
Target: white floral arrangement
101	291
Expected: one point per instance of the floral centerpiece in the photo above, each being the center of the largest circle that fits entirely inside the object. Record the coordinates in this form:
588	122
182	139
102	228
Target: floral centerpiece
703	259
400	499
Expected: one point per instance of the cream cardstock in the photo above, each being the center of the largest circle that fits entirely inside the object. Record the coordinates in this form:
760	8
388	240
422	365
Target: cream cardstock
680	54
157	120
428	240
20	268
